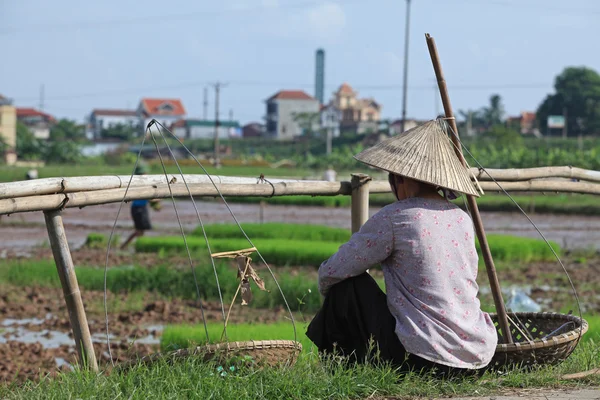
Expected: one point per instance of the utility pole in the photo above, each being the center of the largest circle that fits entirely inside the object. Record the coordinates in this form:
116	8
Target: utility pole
230	114
404	85
217	86
205	104
42	97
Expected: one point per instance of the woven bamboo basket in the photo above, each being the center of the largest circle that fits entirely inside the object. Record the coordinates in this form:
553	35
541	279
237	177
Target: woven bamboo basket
261	352
554	335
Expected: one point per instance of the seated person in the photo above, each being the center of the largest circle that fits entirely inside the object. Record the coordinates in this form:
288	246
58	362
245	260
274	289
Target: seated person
430	317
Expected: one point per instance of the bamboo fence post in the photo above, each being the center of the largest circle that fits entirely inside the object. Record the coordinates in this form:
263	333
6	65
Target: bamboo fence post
68	280
472	203
360	200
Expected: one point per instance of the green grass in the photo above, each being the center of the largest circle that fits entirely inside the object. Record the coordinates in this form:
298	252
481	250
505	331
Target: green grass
307	379
8	174
100	241
593	333
274	230
300	288
183	336
312	253
281	252
569	204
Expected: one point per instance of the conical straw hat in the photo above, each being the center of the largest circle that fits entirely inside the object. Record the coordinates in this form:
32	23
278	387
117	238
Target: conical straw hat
424	153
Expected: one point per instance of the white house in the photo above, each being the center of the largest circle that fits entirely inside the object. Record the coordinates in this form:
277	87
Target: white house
283	108
38	122
200	129
165	111
102	118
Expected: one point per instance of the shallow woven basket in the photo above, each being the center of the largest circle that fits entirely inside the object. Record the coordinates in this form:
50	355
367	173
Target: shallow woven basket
262	353
554	335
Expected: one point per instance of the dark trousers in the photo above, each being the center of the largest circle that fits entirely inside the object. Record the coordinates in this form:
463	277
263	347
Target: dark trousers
355	311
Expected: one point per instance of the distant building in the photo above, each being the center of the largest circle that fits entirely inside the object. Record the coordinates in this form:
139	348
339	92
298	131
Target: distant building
253	130
331	117
165	111
358	115
102	118
38	122
526	123
200	129
284	107
8	129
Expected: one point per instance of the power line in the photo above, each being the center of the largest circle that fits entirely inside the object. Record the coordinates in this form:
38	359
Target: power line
362	87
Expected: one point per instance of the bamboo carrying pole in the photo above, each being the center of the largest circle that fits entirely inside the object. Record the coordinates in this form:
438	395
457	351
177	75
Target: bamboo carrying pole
68	280
487	255
360	200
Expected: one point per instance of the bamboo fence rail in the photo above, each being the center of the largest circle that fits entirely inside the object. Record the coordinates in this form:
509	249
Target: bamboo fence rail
89	183
46	202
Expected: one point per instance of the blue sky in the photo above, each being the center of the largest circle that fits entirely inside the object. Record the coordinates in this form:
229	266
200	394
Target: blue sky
109	54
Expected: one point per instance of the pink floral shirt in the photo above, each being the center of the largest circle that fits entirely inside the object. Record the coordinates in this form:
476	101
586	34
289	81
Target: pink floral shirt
427	252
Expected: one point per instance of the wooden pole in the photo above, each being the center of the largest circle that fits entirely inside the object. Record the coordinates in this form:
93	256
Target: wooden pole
485	250
360	200
68	280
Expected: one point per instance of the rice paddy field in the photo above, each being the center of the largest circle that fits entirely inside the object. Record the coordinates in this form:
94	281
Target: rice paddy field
153	306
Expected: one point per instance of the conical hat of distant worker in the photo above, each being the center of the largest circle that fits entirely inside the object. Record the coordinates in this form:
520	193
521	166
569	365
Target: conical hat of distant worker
423	153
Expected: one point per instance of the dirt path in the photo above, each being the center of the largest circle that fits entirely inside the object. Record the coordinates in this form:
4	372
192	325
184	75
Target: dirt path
23	231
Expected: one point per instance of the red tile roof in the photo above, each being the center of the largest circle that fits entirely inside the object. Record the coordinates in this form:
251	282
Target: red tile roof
32	112
346	89
153	107
528	117
291	95
114	112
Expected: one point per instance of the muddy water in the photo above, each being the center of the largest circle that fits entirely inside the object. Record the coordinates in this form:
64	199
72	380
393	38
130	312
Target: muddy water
26	230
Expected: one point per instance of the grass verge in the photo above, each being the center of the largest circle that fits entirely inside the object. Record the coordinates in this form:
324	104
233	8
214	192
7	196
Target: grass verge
275	230
307	379
569	204
279	251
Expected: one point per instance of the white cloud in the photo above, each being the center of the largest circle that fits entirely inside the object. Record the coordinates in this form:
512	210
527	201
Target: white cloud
326	21
270	3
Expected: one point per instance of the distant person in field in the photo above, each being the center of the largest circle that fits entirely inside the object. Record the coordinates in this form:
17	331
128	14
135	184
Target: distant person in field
140	213
330	175
31	174
430	318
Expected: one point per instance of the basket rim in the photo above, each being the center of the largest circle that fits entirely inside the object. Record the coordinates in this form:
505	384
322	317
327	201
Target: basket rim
536	344
225	347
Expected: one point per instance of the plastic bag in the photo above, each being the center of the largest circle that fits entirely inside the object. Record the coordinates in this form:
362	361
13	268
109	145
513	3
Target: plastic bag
521	302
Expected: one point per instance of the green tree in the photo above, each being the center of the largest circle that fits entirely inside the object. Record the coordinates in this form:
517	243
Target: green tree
308	122
62	152
485	117
578	93
501	136
67	130
28	146
494	114
120	131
